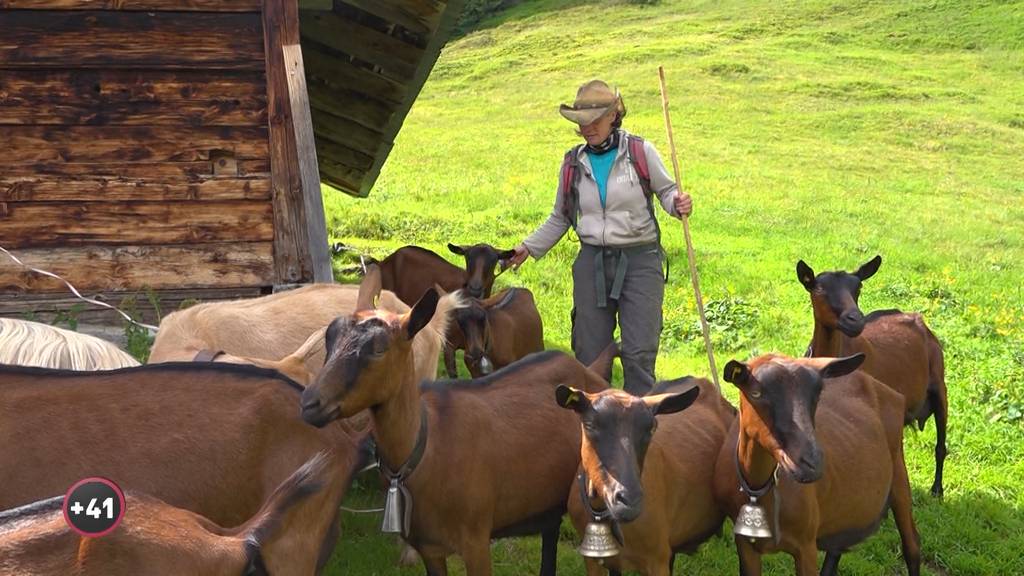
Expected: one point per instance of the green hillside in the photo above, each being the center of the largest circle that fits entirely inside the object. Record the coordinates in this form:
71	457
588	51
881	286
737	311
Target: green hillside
827	131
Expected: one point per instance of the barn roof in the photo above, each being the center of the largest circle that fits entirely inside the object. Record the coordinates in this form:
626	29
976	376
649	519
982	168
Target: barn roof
365	63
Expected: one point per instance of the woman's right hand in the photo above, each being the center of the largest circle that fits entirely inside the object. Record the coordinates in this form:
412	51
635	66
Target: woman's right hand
521	255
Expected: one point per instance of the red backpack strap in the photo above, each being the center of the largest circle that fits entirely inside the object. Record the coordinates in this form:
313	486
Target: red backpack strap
639	159
567	185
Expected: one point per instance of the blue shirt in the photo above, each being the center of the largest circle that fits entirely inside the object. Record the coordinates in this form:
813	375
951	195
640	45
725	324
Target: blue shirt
601	164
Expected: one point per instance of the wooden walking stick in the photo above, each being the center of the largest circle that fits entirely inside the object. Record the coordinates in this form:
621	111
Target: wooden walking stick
686	232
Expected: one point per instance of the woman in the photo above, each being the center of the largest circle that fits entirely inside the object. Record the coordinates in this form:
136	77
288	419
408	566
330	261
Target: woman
606	194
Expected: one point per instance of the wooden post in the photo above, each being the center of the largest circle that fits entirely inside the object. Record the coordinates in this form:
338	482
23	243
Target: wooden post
686	232
309	173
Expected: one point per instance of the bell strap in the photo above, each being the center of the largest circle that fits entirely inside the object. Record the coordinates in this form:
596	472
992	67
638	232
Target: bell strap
758	493
398	479
597	515
207	355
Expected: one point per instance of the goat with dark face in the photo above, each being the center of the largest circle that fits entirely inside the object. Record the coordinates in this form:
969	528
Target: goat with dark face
901	351
515	451
650	462
410	271
500	330
481	259
825	443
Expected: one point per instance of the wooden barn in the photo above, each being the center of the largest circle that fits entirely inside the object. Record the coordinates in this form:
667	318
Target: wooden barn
177	147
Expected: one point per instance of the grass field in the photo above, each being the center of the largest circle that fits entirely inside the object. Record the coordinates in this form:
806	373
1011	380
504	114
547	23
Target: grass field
827	131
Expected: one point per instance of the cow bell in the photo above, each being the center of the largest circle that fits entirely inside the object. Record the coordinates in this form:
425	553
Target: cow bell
485	365
394	506
598	541
752	522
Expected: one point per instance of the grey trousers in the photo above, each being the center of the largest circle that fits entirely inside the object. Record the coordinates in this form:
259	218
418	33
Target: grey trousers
637	306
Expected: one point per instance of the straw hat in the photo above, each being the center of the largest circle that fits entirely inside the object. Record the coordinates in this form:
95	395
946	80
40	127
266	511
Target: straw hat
593	100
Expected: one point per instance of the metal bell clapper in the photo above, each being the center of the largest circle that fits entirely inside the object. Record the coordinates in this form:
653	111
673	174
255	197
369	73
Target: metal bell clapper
752	522
393	508
598	541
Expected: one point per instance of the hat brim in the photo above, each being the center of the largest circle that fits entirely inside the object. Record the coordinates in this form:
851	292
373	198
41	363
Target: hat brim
584	116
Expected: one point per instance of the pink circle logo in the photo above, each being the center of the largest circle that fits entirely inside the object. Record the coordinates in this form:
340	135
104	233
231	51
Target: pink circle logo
94	507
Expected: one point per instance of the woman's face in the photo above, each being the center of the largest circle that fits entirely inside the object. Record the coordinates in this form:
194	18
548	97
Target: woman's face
598	130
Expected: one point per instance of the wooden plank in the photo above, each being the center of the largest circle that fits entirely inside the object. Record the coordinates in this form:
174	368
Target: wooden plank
94	268
84	39
316	4
43	306
51	189
109	144
345	178
338	73
156	5
372	114
190	171
328	150
291	250
342	34
343	131
129	97
302	124
38	225
397	12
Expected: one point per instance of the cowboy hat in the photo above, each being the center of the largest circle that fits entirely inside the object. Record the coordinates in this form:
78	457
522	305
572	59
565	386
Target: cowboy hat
593	100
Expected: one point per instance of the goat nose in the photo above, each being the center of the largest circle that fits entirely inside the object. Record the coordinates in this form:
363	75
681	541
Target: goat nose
310	403
854	316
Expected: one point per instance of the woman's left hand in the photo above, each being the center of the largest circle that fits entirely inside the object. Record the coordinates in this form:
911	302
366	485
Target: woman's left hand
683	203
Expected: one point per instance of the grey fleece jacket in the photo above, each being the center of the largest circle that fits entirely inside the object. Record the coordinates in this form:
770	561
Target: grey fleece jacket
624	220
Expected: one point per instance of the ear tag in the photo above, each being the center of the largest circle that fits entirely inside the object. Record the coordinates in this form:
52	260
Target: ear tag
736	371
572	398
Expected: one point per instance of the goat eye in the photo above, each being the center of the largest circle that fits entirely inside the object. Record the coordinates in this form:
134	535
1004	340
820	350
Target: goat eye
754	394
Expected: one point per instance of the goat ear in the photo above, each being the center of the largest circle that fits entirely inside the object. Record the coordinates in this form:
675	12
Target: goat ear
842	366
672	403
369	289
868	269
421	313
805	275
571	398
506	254
736	372
457	249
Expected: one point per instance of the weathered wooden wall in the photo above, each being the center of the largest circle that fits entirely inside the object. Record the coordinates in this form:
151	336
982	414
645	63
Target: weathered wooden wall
138	147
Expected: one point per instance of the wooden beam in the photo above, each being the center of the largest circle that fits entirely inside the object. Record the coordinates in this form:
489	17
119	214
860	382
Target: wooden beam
426	63
337	73
109	39
94	268
316	4
190	171
109	144
354	106
45	224
345	178
396	12
355	39
346	132
132	97
137	5
313	204
291	248
63	189
329	150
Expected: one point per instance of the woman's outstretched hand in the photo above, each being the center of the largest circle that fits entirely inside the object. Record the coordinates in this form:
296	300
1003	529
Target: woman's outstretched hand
520	256
683	203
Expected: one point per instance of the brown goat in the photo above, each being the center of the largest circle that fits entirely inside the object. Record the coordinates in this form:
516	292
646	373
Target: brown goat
410	271
215	439
499	457
657	486
156	538
901	351
498	331
824	441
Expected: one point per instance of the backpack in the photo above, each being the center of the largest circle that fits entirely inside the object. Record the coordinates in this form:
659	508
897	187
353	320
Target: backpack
569	177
